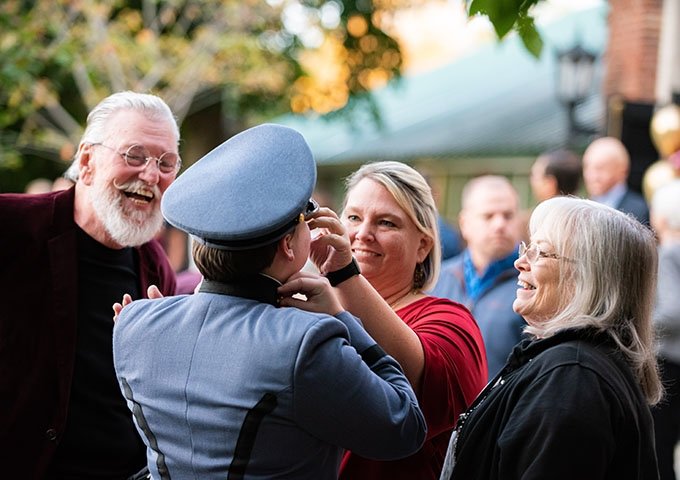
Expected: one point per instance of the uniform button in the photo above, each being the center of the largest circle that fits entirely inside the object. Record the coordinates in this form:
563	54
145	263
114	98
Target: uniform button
51	434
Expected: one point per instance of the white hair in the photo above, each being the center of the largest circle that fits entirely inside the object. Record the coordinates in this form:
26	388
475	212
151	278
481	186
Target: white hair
96	130
130	228
611	282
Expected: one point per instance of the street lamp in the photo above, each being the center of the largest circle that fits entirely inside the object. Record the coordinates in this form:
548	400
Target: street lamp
576	69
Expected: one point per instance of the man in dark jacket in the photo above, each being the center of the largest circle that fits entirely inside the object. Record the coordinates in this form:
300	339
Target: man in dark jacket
67	257
606	164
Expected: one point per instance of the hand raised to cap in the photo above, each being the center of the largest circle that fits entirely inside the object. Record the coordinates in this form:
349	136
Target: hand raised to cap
330	248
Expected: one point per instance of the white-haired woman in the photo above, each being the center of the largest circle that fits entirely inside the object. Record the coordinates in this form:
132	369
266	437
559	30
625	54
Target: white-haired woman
389	226
573	400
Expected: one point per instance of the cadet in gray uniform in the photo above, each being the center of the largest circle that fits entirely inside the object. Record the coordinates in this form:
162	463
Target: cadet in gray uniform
226	384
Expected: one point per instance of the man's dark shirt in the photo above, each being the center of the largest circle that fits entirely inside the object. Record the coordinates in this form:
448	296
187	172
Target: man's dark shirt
100	440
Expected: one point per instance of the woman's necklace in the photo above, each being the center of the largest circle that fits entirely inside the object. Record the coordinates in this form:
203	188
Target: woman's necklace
404	300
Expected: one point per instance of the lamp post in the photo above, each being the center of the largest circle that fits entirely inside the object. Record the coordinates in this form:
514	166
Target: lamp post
576	70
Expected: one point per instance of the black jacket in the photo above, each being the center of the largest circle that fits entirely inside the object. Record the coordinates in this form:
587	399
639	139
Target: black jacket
566	407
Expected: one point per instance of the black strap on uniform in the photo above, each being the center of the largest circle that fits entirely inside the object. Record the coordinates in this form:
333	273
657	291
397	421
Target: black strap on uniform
246	438
144	426
371	355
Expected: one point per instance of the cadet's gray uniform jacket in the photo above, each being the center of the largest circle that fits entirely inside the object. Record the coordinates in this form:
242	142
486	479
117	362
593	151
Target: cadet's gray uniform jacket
223	386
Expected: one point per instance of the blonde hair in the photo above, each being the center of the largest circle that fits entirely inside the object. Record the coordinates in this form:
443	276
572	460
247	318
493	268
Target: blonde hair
414	196
611	282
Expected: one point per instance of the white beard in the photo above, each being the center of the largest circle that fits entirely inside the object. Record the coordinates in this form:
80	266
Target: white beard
129	228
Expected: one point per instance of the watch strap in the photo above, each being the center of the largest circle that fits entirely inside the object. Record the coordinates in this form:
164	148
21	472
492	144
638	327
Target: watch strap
348	271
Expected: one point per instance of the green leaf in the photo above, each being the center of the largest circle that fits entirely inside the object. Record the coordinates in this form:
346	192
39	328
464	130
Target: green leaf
530	37
479	7
503	14
506	15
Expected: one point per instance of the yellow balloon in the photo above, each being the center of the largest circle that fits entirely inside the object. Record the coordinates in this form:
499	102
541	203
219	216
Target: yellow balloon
657	174
665	129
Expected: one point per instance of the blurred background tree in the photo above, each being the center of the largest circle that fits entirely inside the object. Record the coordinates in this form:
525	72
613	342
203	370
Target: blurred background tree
221	65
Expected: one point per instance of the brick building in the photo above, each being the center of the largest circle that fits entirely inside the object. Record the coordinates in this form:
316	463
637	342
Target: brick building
642	72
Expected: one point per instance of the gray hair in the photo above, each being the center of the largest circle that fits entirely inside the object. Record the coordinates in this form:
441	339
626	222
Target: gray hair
665	204
611	284
97	121
412	193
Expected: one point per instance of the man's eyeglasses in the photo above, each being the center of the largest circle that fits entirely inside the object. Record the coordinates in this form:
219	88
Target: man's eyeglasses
137	156
533	253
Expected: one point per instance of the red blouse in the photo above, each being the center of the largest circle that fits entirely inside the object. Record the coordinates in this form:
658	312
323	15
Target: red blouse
455	372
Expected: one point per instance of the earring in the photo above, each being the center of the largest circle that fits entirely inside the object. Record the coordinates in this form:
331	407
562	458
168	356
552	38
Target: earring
419	276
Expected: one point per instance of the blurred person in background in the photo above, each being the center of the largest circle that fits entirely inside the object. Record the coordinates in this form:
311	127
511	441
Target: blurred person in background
68	256
177	246
556	172
606	164
451	242
483	277
61	183
384	253
573	399
665	219
38	185
449	235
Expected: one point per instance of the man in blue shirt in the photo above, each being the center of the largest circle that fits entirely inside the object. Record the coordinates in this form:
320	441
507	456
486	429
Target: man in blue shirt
483	276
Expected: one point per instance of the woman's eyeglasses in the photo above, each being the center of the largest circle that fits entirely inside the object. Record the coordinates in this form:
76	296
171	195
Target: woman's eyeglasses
533	253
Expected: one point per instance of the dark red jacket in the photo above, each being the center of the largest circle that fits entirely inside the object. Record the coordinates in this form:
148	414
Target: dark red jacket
38	317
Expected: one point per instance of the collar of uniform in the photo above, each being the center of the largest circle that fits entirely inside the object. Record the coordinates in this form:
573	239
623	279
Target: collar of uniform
257	287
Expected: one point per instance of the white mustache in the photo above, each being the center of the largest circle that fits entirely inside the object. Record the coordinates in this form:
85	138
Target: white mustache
138	186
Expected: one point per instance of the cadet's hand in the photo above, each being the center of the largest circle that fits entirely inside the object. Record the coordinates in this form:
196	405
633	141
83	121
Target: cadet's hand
320	297
151	292
330	248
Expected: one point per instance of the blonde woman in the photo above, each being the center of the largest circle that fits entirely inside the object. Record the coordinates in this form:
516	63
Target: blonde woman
387	231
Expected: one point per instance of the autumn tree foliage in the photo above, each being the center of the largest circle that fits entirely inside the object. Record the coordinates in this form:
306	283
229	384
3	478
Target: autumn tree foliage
58	58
